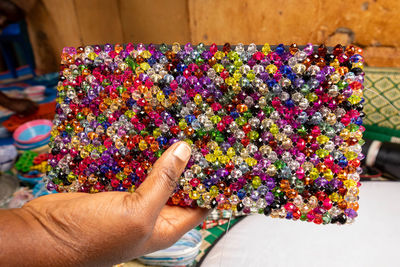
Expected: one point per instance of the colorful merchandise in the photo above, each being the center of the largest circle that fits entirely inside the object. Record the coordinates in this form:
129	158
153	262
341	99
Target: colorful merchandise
274	130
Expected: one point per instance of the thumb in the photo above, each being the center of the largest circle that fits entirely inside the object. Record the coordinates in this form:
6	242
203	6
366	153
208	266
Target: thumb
162	181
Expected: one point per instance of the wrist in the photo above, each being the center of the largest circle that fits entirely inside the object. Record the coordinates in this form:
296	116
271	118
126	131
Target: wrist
35	244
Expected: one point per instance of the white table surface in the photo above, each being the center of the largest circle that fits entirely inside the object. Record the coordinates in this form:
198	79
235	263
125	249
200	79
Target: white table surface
372	240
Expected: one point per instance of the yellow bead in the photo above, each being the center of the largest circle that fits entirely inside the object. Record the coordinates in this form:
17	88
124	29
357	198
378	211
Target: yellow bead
217	152
233	55
145	54
219	55
176	47
230	81
211	157
194	195
256	182
215	119
160	96
92	56
237	76
142	145
322	139
251	76
328	174
214	191
218	67
351	155
311	97
349	183
334	197
182	124
230	152
223	159
156	133
322	153
271	69
238	63
198	99
84	154
266	49
354	99
274	129
145	66
251	161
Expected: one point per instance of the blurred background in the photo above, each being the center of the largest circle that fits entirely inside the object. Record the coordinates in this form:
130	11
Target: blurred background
34	32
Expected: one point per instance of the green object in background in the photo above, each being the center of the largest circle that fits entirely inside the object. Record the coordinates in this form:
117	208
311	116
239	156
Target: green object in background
382	104
25	161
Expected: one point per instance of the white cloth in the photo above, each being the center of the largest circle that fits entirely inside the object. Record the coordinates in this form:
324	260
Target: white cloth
372	240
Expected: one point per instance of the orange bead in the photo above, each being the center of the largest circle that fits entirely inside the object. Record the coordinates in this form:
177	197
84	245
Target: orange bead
342	204
291	193
353	205
241	108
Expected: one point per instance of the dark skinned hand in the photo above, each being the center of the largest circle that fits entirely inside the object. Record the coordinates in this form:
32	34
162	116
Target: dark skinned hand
78	229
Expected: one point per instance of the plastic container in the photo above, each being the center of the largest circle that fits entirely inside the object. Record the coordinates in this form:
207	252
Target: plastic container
33	132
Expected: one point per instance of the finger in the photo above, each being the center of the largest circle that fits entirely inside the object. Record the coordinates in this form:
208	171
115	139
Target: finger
172	223
161	182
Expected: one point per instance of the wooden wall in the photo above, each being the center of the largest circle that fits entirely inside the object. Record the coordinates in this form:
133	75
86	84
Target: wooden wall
371	24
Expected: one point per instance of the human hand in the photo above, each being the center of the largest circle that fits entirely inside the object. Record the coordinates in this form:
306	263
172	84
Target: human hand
22	106
73	229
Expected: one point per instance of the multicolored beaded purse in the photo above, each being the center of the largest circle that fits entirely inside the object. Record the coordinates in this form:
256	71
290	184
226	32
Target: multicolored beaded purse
273	129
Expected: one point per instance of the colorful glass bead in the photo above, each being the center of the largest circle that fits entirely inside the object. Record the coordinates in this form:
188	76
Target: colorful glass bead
273	129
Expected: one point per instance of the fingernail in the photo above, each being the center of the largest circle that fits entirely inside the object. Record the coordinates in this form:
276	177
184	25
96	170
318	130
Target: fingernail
182	152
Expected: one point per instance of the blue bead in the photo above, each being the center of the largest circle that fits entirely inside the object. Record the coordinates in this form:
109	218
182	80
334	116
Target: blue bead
104	168
289	103
289	216
280	49
271	83
190	118
291	76
162	140
208	183
167	91
241	194
181	67
235	114
342	162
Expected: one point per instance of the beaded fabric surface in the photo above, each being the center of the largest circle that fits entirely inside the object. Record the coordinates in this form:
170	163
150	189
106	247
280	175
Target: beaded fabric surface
274	130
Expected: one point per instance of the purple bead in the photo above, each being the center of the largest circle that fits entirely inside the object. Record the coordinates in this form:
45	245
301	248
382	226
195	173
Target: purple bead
269	198
351	213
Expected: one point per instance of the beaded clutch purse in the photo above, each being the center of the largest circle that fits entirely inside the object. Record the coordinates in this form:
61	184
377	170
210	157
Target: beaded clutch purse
273	129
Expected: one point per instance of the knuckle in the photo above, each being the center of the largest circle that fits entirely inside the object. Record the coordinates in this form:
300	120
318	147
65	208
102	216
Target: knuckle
168	178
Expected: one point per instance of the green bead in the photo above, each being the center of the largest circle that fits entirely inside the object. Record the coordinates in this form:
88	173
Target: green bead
201	133
253	135
353	127
303	218
158	153
163	48
279	164
302	130
247	114
342	84
268	110
326	218
80	116
69	128
241	121
101	118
